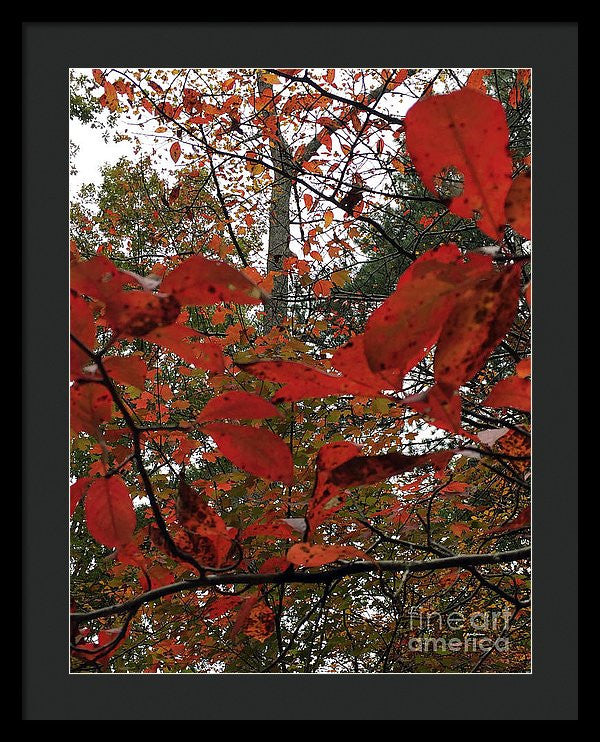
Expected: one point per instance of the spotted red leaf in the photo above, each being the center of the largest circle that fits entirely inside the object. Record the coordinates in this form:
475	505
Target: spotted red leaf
315	555
257	451
175	151
479	320
361	470
91	406
98	278
199	281
466	130
109	511
238	405
136	313
404	328
198	518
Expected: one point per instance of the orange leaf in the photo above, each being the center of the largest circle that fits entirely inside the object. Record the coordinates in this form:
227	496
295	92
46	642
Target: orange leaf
175	151
524	368
314	555
323	287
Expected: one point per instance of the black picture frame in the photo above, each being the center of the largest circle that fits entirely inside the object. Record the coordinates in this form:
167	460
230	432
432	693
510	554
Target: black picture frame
49	50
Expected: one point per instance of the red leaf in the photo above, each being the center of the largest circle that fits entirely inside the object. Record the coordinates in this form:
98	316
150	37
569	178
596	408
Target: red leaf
480	319
314	555
513	392
523	368
255	619
518	205
109	511
254	450
84	329
135	313
98	278
77	491
274	565
189	345
238	405
199	281
442	405
127	370
466	130
220	606
326	498
198	518
404	328
175	151
274	529
300	381
91	405
370	469
323	287
351	360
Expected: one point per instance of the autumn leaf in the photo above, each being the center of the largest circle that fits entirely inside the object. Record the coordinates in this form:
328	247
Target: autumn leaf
257	451
238	405
175	151
299	380
361	470
191	346
405	327
513	392
468	131
77	491
129	370
479	320
523	368
441	405
314	555
91	406
109	512
84	329
327	498
202	282
199	518
323	287
135	313
518	204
